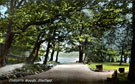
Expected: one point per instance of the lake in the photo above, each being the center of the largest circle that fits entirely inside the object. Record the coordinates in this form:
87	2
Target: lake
65	57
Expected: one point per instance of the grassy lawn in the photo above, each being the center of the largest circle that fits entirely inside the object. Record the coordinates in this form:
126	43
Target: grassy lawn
110	65
121	78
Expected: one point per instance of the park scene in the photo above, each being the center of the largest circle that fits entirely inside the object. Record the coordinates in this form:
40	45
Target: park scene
67	41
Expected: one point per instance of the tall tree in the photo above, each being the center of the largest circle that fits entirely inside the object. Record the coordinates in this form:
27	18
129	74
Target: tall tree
57	55
10	35
50	37
131	74
47	51
24	13
52	54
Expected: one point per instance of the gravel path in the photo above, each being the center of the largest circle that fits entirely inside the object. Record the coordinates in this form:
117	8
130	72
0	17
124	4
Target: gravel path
70	74
8	68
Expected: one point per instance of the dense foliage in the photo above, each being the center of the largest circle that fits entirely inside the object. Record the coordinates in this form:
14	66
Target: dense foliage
99	30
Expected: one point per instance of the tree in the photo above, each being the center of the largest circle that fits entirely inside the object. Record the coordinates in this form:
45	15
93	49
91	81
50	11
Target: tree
9	36
131	74
52	54
34	54
59	45
57	55
24	13
11	28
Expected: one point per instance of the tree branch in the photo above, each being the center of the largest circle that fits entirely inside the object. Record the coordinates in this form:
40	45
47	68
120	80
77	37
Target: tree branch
19	4
51	20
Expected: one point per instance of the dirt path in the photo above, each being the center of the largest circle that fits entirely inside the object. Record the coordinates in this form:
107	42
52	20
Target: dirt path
69	74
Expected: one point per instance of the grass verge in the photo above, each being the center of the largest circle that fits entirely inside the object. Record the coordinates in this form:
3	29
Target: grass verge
121	77
110	65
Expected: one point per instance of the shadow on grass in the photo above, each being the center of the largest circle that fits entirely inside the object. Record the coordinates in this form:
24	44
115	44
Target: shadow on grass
117	64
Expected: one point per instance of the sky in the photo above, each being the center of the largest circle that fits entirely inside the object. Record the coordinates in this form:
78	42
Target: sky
3	10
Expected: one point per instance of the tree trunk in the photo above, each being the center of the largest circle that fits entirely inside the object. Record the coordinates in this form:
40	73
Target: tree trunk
86	50
122	53
49	45
80	54
8	40
47	52
29	59
125	58
52	54
109	58
102	56
131	74
86	57
6	48
36	53
57	55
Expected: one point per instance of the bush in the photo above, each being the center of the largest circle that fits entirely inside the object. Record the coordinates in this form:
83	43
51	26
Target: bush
25	71
14	60
52	62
